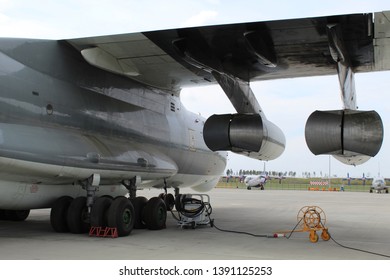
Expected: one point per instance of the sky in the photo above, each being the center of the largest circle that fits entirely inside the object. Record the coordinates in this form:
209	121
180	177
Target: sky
288	103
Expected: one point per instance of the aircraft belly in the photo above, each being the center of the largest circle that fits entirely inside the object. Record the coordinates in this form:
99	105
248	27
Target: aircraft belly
200	171
58	155
23	196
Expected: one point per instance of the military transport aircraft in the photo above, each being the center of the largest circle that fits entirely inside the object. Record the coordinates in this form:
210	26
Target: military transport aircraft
379	184
85	122
256	181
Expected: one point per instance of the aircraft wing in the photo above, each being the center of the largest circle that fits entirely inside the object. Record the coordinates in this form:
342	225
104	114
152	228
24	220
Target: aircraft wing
176	58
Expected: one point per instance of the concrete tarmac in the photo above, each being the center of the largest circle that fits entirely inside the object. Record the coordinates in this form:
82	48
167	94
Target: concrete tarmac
357	220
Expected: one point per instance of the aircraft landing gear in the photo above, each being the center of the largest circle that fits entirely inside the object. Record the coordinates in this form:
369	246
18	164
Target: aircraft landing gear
14	215
99	212
124	214
261	187
151	214
155	214
78	216
121	214
58	214
139	204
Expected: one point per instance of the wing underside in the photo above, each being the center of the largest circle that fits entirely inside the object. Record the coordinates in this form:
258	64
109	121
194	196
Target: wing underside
176	58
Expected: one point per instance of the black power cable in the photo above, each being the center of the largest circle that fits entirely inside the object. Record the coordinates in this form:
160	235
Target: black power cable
238	232
207	207
359	250
292	231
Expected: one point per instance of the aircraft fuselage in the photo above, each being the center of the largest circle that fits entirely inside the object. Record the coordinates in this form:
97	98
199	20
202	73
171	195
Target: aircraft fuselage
379	184
62	120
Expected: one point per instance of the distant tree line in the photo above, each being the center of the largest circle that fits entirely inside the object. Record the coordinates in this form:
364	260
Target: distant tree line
230	172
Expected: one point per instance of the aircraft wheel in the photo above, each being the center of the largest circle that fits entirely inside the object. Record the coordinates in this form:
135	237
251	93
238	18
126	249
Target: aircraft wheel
178	202
370	190
387	190
78	215
169	200
99	211
2	214
139	203
15	215
58	213
248	188
155	214
121	215
20	215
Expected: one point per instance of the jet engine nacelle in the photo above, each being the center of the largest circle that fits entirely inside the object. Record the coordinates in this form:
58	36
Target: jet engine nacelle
351	136
246	134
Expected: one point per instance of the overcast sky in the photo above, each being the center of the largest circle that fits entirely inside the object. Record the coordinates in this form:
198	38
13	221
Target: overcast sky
288	103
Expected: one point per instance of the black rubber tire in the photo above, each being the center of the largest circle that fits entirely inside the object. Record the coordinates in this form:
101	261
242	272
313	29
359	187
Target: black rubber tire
15	215
58	214
121	215
2	214
178	202
155	214
139	203
99	211
169	200
77	215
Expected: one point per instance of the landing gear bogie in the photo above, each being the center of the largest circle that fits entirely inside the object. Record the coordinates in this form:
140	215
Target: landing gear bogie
99	215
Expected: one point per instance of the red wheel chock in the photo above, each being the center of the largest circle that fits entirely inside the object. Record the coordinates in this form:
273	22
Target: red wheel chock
103	232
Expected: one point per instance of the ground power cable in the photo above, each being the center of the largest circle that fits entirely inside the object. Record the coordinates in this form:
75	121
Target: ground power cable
208	210
359	250
239	232
290	234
